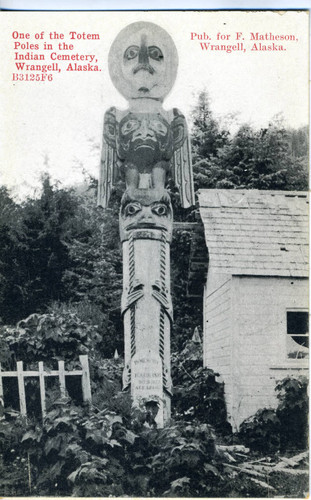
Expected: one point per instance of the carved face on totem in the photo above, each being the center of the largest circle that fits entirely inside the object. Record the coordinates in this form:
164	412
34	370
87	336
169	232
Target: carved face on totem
143	61
146	209
144	138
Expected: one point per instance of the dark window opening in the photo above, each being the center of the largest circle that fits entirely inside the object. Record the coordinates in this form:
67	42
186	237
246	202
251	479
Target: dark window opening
297	334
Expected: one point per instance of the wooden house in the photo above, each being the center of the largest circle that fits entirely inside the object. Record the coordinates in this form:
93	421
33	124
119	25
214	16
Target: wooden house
256	293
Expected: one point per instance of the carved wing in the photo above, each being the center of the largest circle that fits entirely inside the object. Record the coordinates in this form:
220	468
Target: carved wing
163	297
108	164
130	299
181	165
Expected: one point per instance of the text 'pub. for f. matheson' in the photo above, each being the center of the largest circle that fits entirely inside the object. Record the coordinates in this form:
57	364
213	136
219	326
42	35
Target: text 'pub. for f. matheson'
146	144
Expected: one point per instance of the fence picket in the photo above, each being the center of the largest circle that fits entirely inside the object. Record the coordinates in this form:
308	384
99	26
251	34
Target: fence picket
21	388
60	373
61	376
1	389
42	388
86	382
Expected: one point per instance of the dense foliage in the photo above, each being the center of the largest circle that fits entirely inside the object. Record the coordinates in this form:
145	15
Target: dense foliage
95	454
111	449
269	158
292	412
197	394
187	310
33	254
107	449
284	428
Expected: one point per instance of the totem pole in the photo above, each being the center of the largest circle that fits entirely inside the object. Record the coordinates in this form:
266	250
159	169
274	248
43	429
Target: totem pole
146	145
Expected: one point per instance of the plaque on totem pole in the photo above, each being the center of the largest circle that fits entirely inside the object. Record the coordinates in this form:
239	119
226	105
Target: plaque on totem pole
147	382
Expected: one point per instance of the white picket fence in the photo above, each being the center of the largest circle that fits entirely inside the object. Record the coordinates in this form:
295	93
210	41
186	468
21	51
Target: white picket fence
61	373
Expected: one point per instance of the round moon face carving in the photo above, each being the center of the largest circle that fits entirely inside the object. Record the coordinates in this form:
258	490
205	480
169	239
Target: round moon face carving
143	61
144	138
145	210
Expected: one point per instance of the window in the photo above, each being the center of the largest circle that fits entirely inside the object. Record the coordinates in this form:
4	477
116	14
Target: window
297	334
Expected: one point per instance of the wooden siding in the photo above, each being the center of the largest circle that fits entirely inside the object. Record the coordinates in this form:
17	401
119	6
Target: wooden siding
217	334
259	339
245	338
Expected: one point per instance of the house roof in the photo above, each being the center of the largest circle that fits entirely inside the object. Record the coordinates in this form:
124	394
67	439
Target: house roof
256	232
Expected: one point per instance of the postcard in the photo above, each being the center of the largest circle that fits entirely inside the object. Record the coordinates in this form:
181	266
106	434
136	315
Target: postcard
154	254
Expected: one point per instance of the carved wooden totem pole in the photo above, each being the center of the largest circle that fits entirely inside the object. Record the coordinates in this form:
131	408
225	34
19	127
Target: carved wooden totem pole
146	145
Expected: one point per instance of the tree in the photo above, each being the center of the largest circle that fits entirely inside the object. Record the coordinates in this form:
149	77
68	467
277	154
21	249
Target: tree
35	256
187	311
207	136
270	158
11	232
93	280
207	139
299	142
61	248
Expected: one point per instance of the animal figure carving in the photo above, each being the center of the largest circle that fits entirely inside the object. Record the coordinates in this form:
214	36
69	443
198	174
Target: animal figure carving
144	144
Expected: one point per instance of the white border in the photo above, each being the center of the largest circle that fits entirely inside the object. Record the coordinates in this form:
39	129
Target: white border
153	5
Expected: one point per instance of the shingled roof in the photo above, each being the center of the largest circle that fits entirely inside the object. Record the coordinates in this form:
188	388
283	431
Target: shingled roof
251	232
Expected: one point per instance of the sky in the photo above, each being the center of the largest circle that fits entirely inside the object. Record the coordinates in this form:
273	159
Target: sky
56	126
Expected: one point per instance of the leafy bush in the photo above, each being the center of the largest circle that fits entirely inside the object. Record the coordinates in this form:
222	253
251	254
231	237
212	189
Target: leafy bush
49	337
108	449
292	412
53	448
58	335
13	462
184	463
261	431
197	395
92	453
84	452
285	428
